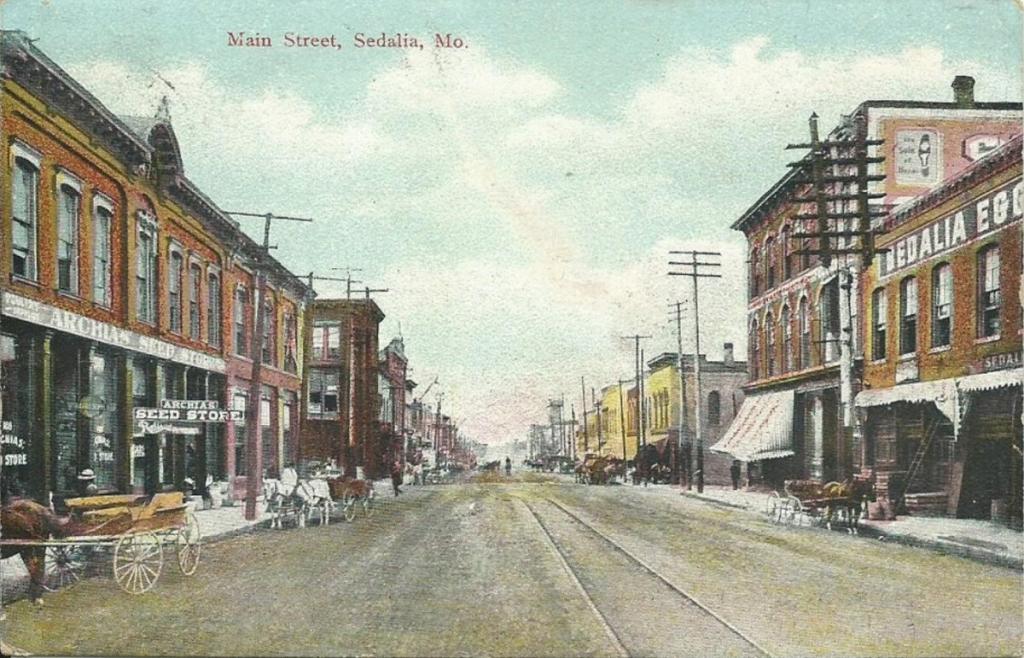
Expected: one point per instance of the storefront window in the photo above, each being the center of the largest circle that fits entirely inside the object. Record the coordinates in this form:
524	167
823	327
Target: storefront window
15	441
142	396
268	438
286	429
100	410
240	402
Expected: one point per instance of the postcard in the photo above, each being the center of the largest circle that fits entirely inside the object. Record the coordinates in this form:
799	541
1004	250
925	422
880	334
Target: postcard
635	328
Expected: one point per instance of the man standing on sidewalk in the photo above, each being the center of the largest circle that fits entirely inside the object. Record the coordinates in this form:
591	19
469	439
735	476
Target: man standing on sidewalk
734	471
396	476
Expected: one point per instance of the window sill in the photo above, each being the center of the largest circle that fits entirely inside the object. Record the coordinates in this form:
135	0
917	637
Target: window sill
67	294
987	339
940	349
879	362
910	356
15	278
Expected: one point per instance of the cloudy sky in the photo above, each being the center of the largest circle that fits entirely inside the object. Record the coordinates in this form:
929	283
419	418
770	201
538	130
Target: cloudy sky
518	196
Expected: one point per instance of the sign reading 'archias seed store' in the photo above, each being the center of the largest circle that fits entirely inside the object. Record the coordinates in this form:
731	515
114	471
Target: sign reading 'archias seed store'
153	420
994	211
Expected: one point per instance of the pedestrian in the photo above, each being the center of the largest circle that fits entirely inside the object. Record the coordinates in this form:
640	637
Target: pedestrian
396	476
734	471
508	466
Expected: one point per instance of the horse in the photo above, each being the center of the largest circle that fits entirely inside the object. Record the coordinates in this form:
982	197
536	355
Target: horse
846	501
27	520
351	491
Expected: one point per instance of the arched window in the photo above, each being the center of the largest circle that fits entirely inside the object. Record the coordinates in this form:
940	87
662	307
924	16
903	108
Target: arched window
195	277
787	340
787	254
805	334
771	259
879	323
755	272
714	408
24	218
174	291
908	315
239	315
769	328
755	353
942	305
68	216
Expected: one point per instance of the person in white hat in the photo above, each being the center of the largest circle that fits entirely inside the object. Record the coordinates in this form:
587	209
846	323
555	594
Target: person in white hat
87	483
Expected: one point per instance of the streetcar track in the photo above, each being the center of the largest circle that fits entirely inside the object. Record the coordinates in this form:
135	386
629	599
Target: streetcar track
649	569
574	577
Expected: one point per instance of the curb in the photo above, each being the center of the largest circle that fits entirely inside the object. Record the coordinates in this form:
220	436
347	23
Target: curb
946	548
714	501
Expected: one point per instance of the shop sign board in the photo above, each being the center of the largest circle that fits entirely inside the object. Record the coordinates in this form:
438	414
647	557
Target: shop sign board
182	416
1002	361
918	155
30	310
13	446
992	212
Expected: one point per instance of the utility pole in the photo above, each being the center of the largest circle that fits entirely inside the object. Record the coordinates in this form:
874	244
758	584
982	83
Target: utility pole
642	397
684	447
586	435
639	400
597	410
697	269
622	422
572	410
252	420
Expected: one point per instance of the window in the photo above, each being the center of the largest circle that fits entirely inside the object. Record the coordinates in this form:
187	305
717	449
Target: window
174	291
829	309
25	208
269	331
334	341
101	219
770	261
318	341
769	327
755	353
989	300
240	402
908	315
68	210
942	305
805	334
239	313
879	320
145	270
714	408
787	340
213	309
787	254
195	274
323	393
755	273
290	331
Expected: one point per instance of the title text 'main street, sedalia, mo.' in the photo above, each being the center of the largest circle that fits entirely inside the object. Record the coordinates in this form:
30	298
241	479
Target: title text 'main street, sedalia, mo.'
360	40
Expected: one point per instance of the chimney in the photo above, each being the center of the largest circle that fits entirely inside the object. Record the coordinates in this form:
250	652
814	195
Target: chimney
963	91
727	356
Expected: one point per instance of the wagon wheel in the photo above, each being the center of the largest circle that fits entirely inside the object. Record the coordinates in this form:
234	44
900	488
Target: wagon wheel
368	505
348	506
772	506
64	566
189	540
138	560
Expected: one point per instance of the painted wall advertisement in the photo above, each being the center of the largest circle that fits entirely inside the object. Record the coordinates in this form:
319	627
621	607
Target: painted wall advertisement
918	157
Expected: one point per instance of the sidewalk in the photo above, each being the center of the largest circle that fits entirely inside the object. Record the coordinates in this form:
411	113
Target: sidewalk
214	524
979	540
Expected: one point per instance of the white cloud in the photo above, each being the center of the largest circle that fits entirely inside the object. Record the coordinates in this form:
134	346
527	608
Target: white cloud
521	240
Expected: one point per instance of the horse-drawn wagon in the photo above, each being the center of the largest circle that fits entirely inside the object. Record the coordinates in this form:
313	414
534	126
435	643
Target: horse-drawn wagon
820	503
134	530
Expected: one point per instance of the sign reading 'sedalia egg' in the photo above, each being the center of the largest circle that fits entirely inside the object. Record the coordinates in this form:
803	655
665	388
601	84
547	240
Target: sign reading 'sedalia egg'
990	213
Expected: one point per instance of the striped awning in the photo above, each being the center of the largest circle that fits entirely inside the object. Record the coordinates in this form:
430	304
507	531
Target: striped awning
988	381
763	428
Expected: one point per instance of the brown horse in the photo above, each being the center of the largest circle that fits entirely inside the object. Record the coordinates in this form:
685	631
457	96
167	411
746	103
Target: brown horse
24	519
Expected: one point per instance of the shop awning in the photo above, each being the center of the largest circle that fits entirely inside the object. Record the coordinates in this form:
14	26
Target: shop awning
988	381
763	428
942	392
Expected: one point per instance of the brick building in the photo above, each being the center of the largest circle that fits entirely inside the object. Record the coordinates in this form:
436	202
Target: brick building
114	291
392	388
804	342
941	405
340	414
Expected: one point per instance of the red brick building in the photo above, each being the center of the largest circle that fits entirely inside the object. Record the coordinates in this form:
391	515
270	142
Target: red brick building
392	390
114	292
341	412
805	343
941	404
